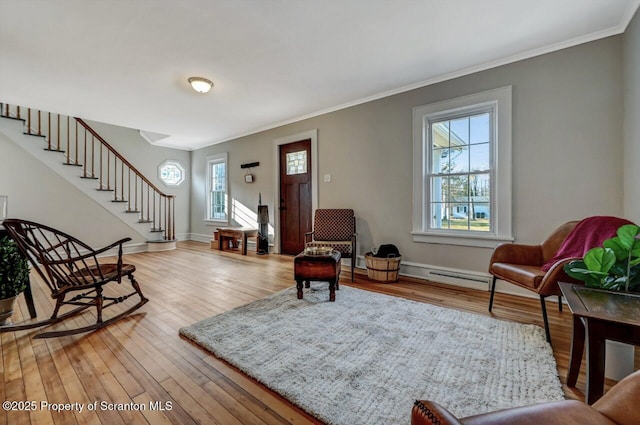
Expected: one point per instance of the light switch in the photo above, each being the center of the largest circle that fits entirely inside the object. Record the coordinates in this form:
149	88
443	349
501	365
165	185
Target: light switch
327	178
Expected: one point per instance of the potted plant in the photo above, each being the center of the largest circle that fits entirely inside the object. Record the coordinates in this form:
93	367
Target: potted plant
615	266
14	276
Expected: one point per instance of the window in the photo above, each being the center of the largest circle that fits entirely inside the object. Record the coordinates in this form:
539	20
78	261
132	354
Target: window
171	173
296	163
462	170
217	183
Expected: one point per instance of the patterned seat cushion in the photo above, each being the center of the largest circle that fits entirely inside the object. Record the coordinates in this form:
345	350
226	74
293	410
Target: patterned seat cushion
343	247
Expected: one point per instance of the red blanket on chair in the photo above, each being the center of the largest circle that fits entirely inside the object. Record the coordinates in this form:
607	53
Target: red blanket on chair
588	233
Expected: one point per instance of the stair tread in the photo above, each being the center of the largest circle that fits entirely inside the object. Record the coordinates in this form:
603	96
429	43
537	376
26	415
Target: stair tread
132	211
70	163
54	150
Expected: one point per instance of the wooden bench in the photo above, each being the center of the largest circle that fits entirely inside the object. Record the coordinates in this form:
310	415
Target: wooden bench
231	235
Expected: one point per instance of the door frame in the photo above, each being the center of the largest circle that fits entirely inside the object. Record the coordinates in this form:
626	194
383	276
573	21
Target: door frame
310	134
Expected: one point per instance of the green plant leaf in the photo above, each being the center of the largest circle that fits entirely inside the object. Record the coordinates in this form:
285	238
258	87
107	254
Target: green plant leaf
600	259
627	234
617	247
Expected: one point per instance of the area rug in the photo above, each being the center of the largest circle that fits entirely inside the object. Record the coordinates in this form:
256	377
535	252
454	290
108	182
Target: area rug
365	358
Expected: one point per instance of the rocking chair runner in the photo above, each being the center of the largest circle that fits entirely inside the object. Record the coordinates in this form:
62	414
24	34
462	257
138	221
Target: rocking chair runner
69	266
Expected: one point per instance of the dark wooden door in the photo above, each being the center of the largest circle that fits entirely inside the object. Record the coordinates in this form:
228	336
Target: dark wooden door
295	195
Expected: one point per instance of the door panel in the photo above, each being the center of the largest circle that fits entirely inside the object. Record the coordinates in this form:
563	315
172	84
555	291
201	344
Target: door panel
295	195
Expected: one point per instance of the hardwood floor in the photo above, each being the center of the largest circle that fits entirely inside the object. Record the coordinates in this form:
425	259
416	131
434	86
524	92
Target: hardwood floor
142	359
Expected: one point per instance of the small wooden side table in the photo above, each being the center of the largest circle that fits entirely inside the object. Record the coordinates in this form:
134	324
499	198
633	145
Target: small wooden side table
226	234
324	268
599	315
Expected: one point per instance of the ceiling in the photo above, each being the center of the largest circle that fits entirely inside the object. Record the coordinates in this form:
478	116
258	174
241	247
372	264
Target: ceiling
273	62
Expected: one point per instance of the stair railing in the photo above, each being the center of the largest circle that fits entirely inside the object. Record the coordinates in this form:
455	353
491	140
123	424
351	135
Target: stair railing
83	147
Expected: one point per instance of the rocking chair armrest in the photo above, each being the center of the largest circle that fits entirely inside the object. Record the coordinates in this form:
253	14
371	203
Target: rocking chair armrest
113	245
92	253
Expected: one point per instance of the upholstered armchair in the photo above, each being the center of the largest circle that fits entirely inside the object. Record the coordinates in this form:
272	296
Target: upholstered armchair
522	265
335	228
539	268
616	407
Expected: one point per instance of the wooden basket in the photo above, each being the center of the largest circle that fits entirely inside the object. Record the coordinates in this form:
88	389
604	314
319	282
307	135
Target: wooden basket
382	269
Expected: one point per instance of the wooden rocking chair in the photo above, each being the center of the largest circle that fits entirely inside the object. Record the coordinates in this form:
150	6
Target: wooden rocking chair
69	266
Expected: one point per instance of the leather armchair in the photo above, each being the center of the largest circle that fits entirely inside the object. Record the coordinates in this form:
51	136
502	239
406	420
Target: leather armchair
522	265
616	407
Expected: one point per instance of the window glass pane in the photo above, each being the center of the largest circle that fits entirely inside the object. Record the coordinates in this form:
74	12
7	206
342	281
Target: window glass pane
479	128
479	217
439	189
479	157
439	215
458	218
459	160
440	160
296	163
459	188
171	173
460	132
440	134
479	186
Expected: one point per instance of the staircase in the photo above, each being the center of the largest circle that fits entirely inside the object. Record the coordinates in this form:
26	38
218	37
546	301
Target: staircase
97	169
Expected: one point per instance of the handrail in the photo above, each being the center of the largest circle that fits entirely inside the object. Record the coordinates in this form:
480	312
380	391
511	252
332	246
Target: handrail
120	157
114	172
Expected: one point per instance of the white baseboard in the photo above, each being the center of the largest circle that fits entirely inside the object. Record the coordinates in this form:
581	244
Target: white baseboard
458	277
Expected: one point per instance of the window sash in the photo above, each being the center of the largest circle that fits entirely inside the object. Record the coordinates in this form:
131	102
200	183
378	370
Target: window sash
436	206
217	206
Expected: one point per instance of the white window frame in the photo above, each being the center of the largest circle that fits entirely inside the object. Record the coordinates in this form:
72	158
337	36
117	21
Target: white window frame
177	164
501	204
211	160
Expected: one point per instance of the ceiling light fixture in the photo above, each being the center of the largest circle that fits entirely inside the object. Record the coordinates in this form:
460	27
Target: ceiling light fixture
201	85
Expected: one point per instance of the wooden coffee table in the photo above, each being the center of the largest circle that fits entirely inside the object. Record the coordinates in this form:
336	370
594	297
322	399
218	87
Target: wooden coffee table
323	268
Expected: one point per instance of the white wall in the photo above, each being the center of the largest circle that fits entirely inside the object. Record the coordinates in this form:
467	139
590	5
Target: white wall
631	71
567	153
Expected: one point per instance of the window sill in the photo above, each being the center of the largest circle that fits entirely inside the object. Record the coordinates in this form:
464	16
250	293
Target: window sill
442	238
210	222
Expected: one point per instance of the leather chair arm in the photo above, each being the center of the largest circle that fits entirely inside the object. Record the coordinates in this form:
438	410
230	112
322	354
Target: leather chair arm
620	403
565	412
517	254
549	284
429	413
